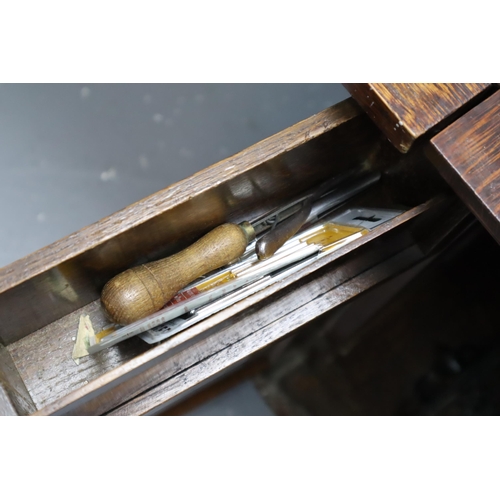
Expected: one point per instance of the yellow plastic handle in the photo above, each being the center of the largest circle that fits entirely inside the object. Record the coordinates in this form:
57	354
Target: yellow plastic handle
145	289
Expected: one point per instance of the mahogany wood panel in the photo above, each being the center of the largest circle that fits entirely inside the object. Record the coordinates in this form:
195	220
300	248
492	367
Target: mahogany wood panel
467	154
406	111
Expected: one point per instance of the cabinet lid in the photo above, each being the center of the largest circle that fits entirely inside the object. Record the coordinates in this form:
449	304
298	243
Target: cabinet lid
406	111
467	154
461	124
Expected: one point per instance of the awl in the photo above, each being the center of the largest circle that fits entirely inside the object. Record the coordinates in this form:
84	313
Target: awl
143	290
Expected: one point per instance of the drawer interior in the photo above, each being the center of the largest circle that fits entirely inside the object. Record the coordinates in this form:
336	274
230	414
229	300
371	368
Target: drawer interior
43	295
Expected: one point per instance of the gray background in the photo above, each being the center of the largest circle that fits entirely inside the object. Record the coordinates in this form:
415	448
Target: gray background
71	154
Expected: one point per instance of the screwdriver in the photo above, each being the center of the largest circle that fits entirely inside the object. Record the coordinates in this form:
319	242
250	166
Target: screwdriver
143	290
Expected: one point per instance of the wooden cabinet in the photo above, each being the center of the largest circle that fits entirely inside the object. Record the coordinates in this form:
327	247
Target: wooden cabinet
43	295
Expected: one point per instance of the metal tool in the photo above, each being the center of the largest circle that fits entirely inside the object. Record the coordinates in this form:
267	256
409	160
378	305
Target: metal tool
236	282
307	209
143	290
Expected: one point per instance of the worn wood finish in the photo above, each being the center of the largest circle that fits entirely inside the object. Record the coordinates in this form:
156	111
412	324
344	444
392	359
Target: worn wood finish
43	295
239	341
70	273
153	366
7	407
406	111
43	359
14	392
424	350
467	154
216	386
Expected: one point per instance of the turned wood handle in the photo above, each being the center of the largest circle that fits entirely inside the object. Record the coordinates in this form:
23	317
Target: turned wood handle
145	289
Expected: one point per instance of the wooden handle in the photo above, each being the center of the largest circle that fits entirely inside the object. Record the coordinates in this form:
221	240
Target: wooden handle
145	289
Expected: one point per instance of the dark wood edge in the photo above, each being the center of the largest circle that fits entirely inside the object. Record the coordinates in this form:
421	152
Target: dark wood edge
379	111
465	192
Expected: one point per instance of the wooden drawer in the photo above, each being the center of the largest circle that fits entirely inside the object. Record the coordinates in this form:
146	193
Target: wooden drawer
43	295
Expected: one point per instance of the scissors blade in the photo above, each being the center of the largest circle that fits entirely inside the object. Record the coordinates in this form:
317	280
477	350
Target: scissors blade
308	208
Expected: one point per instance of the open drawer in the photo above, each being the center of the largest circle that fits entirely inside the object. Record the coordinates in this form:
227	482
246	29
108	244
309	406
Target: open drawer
43	295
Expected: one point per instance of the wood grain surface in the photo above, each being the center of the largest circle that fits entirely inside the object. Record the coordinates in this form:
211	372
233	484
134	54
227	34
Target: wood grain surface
299	308
467	154
388	352
7	407
12	386
406	111
43	359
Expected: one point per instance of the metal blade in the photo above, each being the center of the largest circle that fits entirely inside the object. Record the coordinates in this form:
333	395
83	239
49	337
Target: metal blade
343	186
